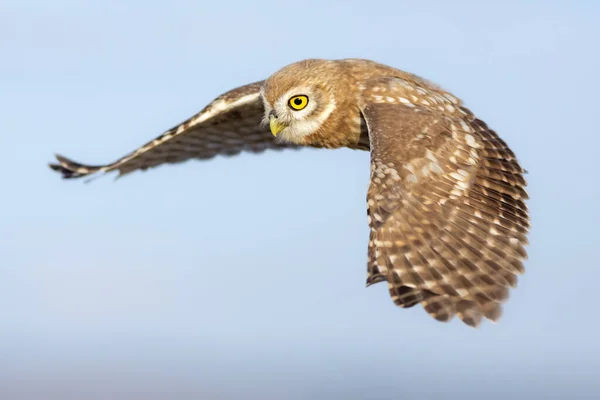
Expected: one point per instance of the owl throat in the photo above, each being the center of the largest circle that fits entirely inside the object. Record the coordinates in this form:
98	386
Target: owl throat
341	129
329	130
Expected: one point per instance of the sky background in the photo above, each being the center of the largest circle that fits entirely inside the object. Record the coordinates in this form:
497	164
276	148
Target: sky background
244	277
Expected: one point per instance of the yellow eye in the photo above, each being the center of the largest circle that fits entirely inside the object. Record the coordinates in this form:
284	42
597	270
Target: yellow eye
298	102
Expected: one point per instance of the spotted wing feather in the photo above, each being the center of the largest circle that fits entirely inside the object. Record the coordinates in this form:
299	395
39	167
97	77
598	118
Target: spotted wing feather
227	126
447	216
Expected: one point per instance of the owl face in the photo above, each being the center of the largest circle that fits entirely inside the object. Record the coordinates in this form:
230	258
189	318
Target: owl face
299	112
295	106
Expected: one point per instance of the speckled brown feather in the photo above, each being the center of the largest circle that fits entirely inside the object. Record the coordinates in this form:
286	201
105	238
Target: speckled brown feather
446	210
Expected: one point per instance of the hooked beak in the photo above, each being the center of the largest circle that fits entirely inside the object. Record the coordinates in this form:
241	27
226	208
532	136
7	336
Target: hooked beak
275	125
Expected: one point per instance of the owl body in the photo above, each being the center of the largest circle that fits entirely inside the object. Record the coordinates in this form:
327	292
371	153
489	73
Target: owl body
356	81
446	199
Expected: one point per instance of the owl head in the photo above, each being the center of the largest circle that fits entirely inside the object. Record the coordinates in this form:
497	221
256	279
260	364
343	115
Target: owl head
296	103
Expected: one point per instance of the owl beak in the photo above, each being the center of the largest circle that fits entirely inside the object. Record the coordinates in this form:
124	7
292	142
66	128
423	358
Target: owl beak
275	125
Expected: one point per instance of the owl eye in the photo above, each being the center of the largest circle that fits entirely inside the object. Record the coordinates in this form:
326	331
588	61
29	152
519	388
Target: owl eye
298	102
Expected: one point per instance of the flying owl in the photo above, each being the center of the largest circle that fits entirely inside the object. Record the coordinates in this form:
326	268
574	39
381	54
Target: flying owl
446	199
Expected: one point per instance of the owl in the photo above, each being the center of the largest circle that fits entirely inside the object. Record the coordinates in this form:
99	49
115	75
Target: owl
446	198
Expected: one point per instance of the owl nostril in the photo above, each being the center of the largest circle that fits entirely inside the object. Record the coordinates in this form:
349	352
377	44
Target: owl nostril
272	114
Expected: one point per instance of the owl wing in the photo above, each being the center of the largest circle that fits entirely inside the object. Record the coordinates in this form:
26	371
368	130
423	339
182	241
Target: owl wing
446	210
227	126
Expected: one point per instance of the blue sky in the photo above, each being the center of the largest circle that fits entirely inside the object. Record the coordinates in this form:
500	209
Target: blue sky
246	275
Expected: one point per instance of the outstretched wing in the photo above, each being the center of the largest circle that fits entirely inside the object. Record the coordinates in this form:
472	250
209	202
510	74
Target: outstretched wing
445	203
227	126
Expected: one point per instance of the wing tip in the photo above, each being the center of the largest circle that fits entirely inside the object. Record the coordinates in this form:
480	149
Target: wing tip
70	169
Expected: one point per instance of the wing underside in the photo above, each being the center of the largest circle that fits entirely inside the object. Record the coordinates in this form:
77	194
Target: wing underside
229	125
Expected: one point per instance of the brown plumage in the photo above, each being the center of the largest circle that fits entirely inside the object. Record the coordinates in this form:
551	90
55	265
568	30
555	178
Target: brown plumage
446	201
